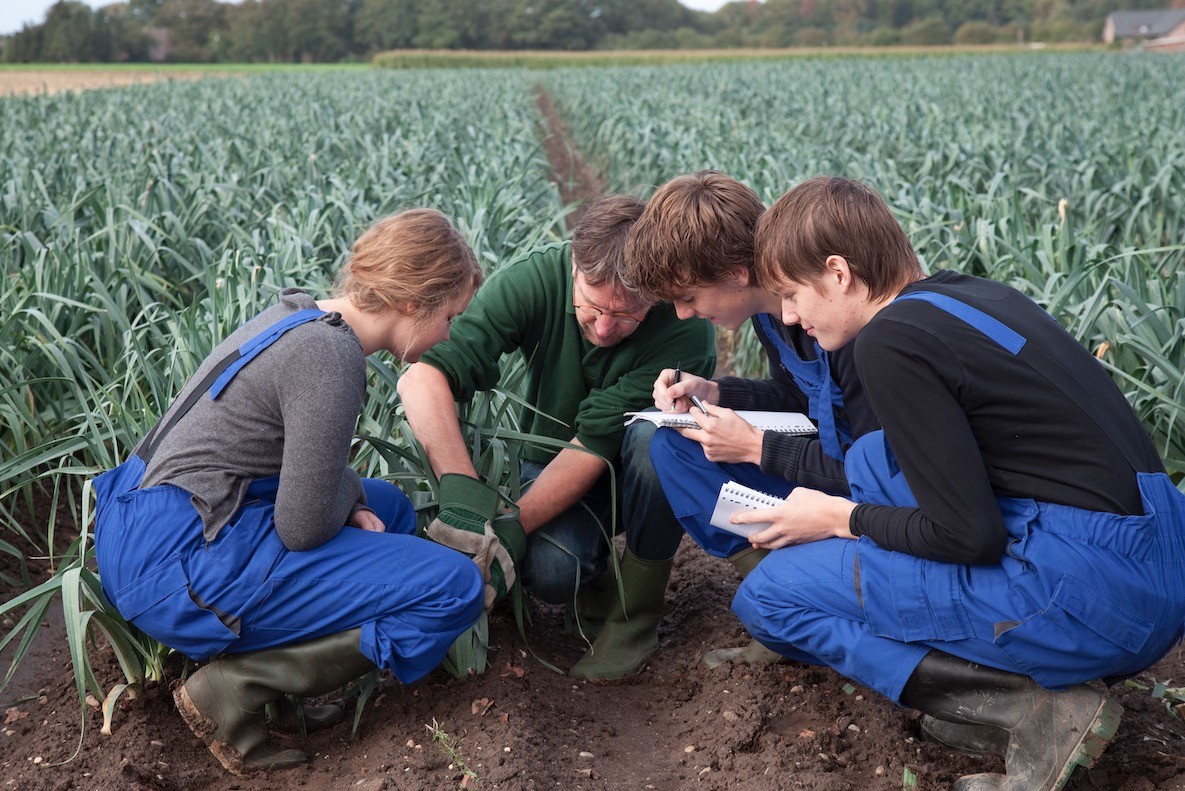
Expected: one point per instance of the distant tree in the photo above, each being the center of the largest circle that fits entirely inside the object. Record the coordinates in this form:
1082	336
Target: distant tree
848	14
193	26
884	36
926	32
386	24
251	34
317	31
553	24
976	32
69	33
811	37
689	38
121	35
435	26
145	10
25	45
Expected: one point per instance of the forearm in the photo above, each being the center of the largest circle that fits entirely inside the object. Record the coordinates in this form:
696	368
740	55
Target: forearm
432	414
560	486
802	461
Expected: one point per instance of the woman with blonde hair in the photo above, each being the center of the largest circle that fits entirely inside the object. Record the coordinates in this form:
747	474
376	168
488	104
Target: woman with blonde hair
238	531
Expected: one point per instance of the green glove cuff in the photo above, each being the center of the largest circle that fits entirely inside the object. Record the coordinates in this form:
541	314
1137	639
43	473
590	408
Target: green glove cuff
511	535
470	493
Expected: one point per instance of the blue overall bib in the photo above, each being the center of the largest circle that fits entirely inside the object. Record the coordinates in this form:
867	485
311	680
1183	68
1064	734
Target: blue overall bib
1077	595
244	591
692	483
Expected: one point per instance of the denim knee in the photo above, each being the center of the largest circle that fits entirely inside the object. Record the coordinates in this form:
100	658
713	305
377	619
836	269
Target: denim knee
550	572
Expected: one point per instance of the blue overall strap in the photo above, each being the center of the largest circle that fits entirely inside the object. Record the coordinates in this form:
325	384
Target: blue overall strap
814	380
251	349
221	374
993	328
1049	368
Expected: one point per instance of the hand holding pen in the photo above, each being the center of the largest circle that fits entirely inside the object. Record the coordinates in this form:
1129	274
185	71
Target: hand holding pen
675	392
678	376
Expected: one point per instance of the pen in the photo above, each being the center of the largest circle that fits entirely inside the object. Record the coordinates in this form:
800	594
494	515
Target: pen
699	405
678	376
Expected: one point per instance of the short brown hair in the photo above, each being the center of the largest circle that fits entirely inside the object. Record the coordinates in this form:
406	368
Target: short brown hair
415	262
697	229
830	215
598	243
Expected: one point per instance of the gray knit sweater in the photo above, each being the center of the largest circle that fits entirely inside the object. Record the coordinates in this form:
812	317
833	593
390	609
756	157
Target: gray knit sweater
292	411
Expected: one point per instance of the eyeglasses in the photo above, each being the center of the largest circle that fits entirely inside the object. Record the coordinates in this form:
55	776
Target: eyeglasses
594	311
624	318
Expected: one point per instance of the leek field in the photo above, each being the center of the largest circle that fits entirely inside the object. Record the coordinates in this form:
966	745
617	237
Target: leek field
140	225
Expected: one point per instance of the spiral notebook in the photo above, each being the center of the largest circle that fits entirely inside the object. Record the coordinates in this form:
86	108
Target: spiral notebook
782	422
736	497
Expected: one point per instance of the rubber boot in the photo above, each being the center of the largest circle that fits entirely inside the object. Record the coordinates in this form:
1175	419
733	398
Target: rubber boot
630	633
1049	733
592	607
754	653
284	715
223	703
963	738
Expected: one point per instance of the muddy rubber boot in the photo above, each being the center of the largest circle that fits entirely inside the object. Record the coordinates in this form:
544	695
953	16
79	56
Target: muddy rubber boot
284	715
223	703
967	739
754	653
630	633
593	605
1049	733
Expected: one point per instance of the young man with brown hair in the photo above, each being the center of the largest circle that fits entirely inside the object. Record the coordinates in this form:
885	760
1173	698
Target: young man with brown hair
592	345
694	246
1017	533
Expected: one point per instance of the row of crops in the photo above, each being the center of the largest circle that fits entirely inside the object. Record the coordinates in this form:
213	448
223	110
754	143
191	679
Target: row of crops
139	226
1061	175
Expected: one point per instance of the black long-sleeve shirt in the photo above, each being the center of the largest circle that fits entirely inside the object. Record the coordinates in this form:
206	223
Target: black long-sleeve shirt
967	420
799	459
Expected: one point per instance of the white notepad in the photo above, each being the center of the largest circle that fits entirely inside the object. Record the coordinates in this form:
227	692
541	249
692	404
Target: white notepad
782	422
735	497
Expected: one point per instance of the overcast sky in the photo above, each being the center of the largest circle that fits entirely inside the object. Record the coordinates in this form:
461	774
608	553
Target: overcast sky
16	13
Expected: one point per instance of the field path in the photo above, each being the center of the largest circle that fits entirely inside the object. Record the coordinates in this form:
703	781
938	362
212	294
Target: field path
578	181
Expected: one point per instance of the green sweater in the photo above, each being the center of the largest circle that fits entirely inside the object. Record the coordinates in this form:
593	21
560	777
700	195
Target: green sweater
582	390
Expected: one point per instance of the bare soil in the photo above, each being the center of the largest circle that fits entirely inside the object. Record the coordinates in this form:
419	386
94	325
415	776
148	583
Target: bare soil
22	82
522	726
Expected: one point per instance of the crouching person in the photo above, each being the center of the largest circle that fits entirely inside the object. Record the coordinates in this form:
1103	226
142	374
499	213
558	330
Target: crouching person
1011	533
238	533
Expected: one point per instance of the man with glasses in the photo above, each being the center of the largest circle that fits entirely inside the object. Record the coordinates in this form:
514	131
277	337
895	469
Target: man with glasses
593	347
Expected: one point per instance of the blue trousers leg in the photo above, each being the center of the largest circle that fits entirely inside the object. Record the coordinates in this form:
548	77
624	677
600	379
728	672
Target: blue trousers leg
692	484
411	597
801	602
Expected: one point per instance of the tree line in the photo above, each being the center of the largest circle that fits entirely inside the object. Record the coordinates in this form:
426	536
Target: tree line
320	31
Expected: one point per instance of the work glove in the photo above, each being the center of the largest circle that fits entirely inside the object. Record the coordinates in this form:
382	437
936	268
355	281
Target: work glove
471	521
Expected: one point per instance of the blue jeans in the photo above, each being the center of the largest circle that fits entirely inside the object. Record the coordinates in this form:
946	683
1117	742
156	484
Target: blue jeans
572	550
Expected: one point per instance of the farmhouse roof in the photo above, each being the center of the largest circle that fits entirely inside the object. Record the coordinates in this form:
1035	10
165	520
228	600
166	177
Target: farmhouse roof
1146	24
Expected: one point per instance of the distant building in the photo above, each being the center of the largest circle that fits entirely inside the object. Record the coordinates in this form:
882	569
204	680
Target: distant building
1151	29
161	45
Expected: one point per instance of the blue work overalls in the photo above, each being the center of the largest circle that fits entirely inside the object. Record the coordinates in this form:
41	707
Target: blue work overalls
244	591
1077	595
692	483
